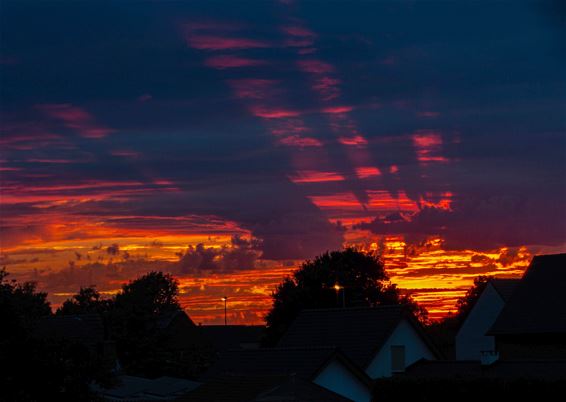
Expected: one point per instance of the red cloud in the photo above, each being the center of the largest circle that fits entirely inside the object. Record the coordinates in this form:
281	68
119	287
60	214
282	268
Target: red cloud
295	30
228	61
266	113
76	118
295	140
428	146
252	88
313	176
356	140
337	109
364	172
214	42
315	67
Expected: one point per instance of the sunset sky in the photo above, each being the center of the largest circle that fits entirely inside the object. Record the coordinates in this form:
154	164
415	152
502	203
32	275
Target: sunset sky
227	141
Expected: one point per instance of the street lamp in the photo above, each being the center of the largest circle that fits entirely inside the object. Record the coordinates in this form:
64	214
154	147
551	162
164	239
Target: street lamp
337	288
225	299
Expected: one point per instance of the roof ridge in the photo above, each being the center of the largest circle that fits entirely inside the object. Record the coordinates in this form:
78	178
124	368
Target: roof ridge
505	279
285	348
344	309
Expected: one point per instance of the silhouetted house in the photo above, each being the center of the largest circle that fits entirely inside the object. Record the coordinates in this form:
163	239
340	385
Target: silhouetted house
178	331
532	325
181	345
304	373
226	337
144	389
295	389
81	329
472	343
380	340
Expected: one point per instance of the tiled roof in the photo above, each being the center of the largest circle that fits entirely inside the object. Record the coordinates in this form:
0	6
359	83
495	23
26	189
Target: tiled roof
274	374
358	332
132	388
229	388
297	390
537	305
505	287
302	362
225	337
166	319
516	369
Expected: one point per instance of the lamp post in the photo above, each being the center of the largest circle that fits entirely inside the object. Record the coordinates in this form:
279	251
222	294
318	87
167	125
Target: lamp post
225	299
337	287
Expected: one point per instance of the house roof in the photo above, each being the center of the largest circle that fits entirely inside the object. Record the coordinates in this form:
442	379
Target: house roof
87	329
504	287
537	304
358	332
277	373
302	362
166	319
261	389
138	388
444	369
298	390
225	337
230	388
516	369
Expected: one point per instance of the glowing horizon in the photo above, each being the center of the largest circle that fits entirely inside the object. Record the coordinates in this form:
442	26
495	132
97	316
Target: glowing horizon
226	144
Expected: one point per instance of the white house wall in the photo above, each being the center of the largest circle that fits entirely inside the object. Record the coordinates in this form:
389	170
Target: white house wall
339	379
471	338
415	349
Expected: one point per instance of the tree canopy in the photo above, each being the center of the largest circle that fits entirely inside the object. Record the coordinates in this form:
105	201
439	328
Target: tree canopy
87	300
467	302
59	370
133	321
348	277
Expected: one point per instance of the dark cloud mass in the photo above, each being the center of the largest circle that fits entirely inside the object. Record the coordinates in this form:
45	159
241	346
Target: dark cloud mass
423	118
243	254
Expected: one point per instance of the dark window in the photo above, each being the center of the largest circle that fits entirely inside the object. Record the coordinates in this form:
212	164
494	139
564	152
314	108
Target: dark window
397	358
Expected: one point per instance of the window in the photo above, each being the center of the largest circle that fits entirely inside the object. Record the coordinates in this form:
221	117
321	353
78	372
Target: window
397	358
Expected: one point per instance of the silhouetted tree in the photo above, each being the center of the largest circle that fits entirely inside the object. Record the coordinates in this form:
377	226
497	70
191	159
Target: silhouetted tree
21	306
134	317
87	300
468	301
361	275
34	369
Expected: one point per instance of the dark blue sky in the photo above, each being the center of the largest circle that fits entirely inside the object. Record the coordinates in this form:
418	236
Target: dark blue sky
432	118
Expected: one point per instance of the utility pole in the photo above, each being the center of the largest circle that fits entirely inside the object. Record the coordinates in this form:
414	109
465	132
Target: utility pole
225	298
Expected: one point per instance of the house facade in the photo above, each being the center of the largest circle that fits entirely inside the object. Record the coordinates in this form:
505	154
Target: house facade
532	325
402	348
472	343
380	340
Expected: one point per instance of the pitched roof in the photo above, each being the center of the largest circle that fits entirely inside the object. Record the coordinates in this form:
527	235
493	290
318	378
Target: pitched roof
504	287
302	362
244	374
166	319
358	332
298	390
444	369
83	328
537	304
516	369
229	388
225	337
141	389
